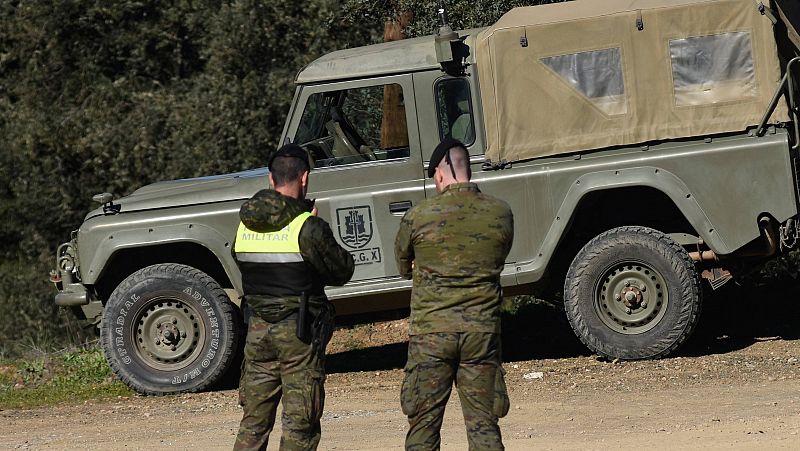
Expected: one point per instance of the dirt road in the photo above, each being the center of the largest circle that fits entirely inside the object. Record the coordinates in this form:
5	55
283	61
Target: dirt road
735	386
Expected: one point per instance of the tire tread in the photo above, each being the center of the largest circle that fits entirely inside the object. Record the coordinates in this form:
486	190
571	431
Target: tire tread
677	257
189	273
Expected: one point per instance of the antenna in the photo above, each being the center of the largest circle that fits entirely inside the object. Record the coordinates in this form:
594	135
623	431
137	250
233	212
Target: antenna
442	14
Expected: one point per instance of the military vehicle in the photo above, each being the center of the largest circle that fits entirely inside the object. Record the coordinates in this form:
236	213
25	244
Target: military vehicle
647	148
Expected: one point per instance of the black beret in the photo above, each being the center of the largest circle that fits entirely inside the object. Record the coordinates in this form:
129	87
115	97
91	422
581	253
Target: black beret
440	151
292	151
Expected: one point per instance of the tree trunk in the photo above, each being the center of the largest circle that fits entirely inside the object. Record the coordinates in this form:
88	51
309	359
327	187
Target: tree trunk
394	128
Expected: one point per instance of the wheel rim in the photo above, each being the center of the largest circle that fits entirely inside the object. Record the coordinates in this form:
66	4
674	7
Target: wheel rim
169	333
631	297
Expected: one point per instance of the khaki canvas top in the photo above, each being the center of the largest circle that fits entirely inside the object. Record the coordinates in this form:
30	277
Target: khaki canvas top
590	74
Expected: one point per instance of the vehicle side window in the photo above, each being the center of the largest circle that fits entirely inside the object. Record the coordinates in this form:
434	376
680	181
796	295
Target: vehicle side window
596	74
454	110
712	69
354	126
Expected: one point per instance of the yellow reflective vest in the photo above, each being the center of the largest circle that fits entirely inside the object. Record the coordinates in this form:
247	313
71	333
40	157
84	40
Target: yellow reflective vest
271	263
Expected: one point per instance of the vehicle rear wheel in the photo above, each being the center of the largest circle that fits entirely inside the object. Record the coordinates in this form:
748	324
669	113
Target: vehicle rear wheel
632	293
170	328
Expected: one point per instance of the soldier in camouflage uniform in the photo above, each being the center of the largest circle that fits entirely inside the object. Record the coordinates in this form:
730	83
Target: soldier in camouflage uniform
285	254
454	246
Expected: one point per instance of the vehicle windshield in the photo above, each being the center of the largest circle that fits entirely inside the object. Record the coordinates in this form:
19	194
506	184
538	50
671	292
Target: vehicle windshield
354	125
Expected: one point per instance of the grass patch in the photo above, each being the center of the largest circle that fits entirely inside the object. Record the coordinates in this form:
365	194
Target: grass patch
57	378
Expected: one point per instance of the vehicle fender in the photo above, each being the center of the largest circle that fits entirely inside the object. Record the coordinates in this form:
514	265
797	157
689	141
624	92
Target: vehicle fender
645	176
211	238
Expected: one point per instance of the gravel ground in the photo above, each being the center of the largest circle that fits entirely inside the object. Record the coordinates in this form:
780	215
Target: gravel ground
736	385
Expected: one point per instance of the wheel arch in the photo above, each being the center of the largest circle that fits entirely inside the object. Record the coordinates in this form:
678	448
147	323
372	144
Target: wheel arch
641	191
580	192
640	205
127	260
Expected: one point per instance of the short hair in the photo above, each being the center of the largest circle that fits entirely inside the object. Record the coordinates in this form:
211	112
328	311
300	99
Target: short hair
442	152
459	159
287	169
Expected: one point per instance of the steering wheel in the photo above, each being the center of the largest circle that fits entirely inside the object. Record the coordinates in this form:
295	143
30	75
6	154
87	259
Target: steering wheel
335	128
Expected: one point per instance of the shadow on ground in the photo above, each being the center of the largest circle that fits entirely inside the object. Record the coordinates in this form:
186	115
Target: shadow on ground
738	316
536	331
539	330
733	318
377	358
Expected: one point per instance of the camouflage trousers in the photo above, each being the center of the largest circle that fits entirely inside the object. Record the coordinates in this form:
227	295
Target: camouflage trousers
435	362
278	364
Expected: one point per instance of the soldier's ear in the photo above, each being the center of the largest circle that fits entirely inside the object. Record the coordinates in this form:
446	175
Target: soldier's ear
304	179
438	175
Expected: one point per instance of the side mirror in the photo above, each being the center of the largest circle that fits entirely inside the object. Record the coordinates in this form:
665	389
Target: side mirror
103	198
107	200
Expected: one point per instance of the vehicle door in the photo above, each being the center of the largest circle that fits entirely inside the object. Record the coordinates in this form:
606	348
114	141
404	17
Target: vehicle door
368	169
451	109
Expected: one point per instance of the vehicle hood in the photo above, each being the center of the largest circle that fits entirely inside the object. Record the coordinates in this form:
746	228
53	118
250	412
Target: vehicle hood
194	191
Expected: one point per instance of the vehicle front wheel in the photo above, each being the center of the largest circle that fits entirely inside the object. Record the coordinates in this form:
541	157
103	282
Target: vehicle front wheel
632	293
170	328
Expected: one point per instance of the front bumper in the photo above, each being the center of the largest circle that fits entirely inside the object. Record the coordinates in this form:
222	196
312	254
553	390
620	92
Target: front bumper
66	278
70	293
73	295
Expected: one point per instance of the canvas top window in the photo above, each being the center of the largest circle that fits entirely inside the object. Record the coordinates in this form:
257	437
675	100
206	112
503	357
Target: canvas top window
354	126
596	74
712	69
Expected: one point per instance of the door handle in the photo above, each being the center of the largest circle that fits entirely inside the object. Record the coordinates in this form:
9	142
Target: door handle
399	208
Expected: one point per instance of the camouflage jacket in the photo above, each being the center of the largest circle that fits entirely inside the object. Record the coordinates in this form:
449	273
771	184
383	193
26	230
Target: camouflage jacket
458	242
269	211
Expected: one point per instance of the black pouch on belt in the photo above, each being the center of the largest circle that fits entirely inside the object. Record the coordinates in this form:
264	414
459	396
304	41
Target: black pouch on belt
302	331
322	326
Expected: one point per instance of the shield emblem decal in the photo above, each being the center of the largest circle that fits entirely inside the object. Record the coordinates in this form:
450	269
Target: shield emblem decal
355	226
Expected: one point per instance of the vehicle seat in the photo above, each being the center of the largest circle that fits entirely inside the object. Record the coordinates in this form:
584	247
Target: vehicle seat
462	129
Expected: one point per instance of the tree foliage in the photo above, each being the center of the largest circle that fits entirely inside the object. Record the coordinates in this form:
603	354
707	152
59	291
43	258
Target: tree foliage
462	15
110	95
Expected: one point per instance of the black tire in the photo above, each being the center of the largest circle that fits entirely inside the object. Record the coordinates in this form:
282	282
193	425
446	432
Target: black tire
659	300
170	328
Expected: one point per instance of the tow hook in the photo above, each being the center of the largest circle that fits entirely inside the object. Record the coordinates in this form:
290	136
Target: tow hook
69	293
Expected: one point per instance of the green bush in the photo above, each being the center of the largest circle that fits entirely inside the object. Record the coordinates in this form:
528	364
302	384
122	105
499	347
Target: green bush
783	270
425	20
